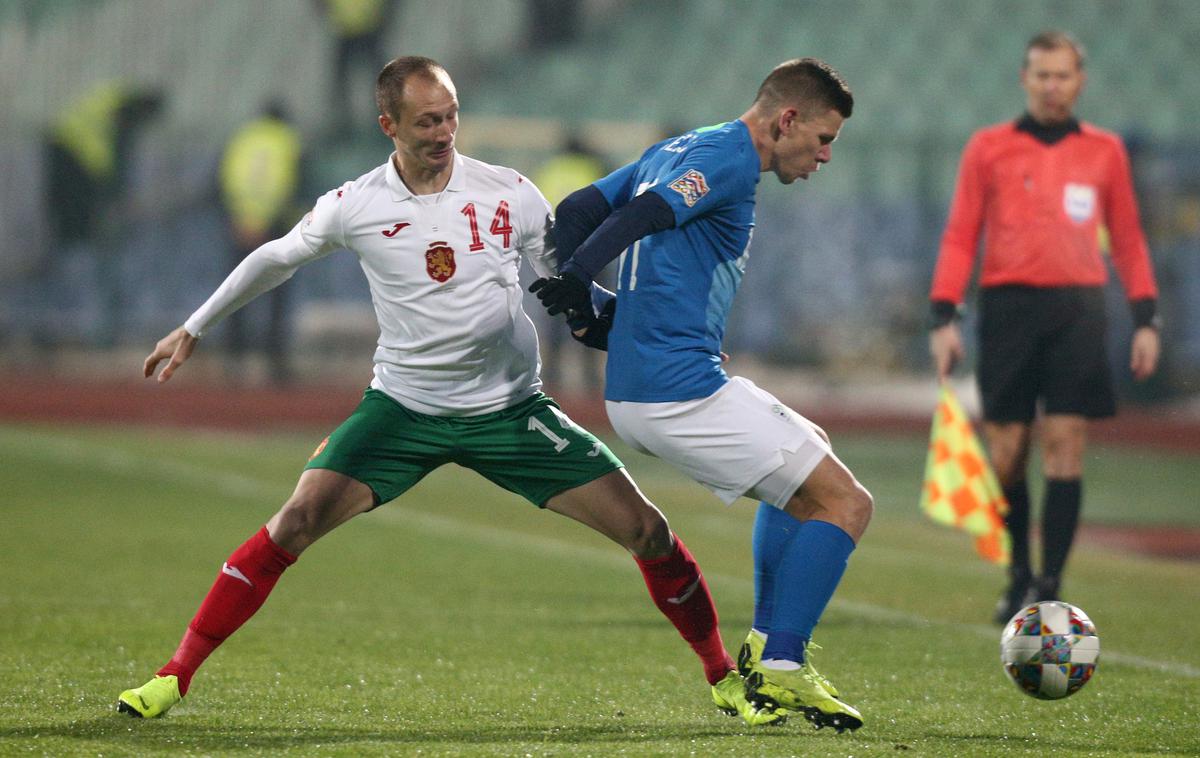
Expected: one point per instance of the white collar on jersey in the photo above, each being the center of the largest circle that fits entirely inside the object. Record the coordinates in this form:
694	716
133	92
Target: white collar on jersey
400	191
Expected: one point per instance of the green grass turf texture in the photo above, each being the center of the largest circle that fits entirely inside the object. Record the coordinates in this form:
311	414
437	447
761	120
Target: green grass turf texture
460	620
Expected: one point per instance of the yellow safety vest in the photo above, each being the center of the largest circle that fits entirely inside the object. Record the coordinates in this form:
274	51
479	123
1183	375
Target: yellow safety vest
88	130
352	18
562	175
260	172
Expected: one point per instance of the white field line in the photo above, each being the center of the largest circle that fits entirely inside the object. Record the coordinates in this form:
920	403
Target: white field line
85	454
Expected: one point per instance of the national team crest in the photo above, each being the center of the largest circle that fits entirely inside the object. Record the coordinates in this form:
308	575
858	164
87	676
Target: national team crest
1079	201
439	261
691	185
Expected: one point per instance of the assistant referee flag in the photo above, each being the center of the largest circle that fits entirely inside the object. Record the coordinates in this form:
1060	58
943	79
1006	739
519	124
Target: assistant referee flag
960	487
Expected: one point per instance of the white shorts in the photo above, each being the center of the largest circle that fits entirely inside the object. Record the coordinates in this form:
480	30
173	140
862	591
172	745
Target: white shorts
740	440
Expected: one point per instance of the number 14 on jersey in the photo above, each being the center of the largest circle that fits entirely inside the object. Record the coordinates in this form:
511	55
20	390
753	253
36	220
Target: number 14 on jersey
501	226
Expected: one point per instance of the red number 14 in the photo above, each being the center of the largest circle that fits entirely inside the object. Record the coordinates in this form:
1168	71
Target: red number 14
501	227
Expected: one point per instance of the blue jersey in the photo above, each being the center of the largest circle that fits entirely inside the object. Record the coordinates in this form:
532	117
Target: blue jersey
675	288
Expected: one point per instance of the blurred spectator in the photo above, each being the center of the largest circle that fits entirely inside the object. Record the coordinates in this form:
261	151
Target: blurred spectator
358	27
553	22
576	165
259	179
89	151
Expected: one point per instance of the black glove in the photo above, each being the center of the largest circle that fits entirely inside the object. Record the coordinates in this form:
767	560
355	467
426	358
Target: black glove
598	327
565	293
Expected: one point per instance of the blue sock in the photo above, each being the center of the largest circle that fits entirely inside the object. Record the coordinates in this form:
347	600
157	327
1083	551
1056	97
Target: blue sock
809	571
773	529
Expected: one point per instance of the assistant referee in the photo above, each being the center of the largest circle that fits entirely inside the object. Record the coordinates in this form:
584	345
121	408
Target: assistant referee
1040	190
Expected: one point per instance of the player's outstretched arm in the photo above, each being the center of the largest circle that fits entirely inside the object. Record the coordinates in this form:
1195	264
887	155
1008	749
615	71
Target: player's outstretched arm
177	346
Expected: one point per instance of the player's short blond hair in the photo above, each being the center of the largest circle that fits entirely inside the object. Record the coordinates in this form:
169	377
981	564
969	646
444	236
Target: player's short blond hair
389	86
1053	39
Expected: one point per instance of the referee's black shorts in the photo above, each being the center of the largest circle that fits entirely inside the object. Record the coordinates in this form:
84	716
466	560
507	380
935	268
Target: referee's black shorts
1047	344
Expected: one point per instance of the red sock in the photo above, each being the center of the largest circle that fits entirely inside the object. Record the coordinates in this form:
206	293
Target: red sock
680	592
240	590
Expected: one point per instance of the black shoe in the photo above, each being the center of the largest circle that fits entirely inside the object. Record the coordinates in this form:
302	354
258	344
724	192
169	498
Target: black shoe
1013	599
1043	588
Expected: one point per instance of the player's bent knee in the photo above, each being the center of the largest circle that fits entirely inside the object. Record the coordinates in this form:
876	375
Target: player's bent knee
863	506
322	501
614	507
846	503
855	509
651	535
304	515
298	524
645	531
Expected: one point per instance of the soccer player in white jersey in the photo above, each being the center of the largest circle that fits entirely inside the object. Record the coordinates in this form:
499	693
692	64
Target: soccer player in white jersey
684	212
440	237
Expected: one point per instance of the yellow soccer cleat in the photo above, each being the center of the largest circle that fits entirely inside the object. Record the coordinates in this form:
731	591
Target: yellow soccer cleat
812	671
730	696
751	653
152	699
798	690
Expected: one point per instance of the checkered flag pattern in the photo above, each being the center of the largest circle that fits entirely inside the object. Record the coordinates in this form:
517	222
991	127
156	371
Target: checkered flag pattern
960	488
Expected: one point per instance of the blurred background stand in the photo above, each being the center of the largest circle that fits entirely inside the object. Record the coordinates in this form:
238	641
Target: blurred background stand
836	288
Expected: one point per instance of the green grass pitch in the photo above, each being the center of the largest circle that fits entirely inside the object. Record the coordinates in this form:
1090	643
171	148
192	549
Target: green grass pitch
459	620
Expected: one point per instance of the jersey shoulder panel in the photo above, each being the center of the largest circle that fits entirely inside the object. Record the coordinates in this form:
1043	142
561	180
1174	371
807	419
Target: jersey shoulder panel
508	182
333	214
989	142
529	212
993	134
706	169
490	177
361	192
1103	136
653	149
726	148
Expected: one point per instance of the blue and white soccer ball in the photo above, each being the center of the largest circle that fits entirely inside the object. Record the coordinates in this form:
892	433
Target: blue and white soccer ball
1050	649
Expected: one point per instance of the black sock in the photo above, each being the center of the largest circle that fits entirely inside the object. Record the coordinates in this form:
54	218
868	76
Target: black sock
1059	519
1017	522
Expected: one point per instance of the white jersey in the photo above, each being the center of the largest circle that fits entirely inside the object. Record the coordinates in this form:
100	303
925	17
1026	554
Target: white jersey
454	339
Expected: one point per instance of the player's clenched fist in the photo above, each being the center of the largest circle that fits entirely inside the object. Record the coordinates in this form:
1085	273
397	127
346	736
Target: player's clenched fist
178	346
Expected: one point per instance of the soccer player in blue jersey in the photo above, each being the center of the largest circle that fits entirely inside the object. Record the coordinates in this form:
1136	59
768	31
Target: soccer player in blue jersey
680	219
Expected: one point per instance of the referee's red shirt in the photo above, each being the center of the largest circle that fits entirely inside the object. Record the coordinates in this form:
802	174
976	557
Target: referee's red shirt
1040	207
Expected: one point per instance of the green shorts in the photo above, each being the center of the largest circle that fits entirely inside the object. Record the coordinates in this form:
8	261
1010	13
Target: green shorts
531	449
